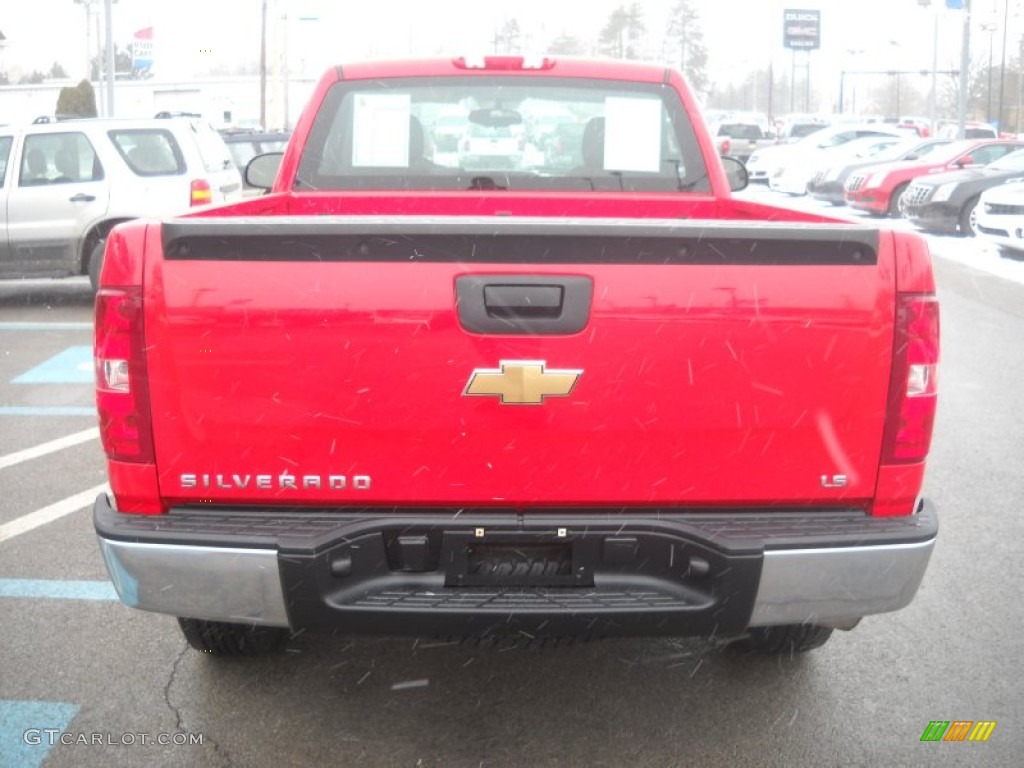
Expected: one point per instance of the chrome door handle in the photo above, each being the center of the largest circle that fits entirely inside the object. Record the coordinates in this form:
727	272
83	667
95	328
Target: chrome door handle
81	197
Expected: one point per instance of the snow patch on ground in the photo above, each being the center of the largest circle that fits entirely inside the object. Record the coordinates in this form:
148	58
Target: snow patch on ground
971	251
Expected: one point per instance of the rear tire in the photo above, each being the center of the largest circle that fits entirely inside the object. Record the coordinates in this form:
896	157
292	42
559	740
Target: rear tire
220	638
785	639
96	264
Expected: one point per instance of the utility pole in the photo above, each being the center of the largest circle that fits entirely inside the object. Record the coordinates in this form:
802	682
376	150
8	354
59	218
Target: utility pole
108	7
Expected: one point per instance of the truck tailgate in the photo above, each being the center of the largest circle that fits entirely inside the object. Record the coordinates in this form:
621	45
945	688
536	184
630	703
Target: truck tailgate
335	361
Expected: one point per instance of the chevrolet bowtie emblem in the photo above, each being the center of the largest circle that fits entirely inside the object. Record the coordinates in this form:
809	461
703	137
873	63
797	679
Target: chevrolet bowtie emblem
522	382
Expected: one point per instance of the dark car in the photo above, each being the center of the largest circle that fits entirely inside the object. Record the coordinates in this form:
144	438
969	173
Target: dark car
245	145
827	183
945	202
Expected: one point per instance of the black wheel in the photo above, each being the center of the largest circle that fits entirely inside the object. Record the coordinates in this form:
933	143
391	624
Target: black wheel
96	264
968	218
894	201
220	638
784	639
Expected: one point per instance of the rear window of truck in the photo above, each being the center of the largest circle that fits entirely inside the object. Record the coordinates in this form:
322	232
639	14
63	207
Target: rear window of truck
424	133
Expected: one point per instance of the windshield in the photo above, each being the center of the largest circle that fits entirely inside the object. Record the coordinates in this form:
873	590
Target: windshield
1011	162
539	133
950	151
904	149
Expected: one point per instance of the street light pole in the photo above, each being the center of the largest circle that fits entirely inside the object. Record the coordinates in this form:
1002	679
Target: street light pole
932	127
1002	64
87	5
965	71
989	27
263	65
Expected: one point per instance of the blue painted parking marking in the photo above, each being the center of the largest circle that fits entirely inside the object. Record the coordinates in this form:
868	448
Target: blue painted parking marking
61	590
56	410
72	366
28	729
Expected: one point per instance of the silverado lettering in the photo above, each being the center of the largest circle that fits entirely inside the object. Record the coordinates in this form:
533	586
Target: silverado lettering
600	394
268	482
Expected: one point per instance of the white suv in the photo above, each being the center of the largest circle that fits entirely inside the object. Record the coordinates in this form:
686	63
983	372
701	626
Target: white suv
64	185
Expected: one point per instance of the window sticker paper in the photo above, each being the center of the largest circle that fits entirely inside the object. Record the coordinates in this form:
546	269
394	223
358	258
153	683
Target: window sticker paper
632	139
380	131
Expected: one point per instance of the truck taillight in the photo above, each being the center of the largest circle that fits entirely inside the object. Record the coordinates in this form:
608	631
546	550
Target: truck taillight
122	399
724	146
914	387
201	192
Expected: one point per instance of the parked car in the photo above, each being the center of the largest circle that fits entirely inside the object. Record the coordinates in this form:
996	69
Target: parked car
999	217
245	145
491	147
765	163
921	125
794	177
877	188
946	202
948	130
827	183
739	138
448	129
792	128
64	185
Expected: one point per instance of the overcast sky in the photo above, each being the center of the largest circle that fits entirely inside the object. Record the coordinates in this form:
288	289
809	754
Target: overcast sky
191	36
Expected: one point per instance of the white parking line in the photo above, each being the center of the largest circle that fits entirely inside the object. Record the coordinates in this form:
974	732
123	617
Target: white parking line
51	326
51	447
55	511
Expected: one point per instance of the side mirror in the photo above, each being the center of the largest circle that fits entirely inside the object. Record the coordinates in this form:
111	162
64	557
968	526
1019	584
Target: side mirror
965	161
736	173
261	171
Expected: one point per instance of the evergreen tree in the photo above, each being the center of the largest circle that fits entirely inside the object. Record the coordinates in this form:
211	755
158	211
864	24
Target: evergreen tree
684	45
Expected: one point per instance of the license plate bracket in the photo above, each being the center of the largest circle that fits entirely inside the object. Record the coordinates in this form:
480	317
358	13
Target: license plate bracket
515	560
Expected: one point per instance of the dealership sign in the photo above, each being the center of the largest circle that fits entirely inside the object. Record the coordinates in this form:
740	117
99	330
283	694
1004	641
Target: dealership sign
801	29
142	50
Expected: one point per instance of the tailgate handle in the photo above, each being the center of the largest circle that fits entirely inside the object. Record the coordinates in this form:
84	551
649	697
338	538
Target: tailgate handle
523	300
524	304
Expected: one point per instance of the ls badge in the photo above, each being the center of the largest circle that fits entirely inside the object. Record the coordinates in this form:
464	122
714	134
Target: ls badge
522	382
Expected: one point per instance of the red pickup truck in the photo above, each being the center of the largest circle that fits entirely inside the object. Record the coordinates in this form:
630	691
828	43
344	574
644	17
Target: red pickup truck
395	395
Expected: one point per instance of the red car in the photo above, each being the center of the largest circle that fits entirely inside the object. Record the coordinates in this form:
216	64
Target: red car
877	188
